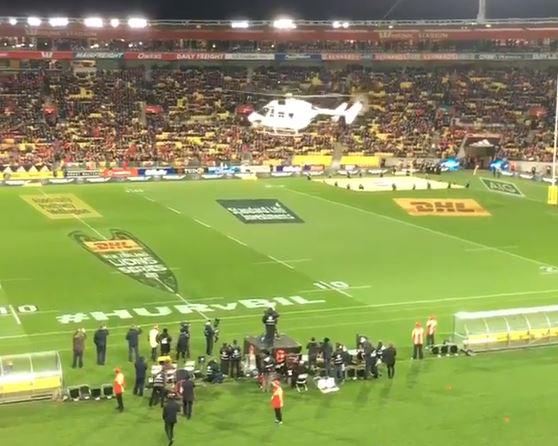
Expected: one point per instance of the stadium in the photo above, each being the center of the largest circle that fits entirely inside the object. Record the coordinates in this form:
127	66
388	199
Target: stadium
366	207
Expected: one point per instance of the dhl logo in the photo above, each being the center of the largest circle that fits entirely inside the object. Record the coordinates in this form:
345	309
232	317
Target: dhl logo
444	208
112	245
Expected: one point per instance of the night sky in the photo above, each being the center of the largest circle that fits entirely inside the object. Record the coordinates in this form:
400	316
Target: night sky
267	9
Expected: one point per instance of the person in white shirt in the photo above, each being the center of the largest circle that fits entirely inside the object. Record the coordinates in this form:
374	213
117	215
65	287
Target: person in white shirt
154	341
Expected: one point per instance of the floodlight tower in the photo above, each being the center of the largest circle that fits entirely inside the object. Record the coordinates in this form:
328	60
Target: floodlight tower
481	15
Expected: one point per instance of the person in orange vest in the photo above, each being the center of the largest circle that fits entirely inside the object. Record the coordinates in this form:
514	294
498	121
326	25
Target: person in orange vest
277	401
418	340
431	327
118	388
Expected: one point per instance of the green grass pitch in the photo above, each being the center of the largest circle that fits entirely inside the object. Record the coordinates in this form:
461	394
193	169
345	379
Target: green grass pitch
398	268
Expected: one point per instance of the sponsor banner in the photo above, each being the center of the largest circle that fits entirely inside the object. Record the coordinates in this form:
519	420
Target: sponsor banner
291	169
503	187
199	56
249	56
415	56
138	179
97	180
61	180
280	57
156	171
120	173
98	55
15	183
254	169
80	173
213	176
260	211
134	55
282	174
526	176
351	57
174	177
37	55
193	170
256	304
37	175
314	173
131	257
442	207
61	206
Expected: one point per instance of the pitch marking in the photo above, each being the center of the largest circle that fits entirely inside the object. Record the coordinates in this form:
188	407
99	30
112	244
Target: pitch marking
201	223
286	261
14	314
423	228
240	242
173	210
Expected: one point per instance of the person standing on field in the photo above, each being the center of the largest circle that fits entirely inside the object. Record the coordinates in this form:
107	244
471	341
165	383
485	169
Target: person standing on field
417	336
100	341
118	388
141	370
133	342
388	358
188	396
154	341
78	347
277	401
170	416
431	327
165	341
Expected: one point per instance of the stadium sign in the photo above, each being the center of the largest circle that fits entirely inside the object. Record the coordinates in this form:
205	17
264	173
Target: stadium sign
503	187
260	211
98	55
185	309
131	257
442	207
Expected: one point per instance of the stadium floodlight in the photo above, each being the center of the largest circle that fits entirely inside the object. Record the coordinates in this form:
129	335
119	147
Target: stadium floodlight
115	23
240	24
59	22
340	24
93	22
284	23
34	21
137	22
12	21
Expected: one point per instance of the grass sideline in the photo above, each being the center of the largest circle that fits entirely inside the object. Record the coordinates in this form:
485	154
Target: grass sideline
399	268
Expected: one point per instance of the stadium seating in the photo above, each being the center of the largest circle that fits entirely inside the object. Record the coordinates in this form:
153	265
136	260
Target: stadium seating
138	115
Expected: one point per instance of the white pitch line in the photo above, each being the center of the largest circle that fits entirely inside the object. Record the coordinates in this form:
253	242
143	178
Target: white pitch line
317	310
281	262
424	228
149	199
285	260
489	249
201	223
318	290
173	210
14	314
240	242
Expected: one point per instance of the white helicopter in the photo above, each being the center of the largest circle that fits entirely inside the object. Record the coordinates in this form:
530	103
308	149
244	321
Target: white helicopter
290	114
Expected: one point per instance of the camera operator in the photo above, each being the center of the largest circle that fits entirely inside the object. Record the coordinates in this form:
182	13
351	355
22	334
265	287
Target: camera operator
183	342
209	333
213	373
269	320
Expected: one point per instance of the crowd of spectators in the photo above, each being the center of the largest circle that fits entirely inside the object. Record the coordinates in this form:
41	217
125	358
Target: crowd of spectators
188	117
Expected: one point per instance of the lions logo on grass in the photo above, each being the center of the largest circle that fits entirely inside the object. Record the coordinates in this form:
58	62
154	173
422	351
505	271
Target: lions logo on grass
127	254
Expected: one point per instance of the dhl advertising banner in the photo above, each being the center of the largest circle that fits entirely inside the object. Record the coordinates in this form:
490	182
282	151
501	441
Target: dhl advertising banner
442	207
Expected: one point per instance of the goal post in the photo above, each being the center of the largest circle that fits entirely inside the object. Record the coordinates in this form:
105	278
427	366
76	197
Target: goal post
30	376
506	329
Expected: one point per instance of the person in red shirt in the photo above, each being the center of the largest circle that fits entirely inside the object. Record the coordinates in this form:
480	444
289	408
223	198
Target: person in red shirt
277	401
118	388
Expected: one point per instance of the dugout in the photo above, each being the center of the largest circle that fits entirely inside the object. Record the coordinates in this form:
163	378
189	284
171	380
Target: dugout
30	376
505	329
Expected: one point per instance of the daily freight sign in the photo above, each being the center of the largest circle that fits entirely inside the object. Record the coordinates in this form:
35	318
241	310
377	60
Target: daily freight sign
260	211
503	187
